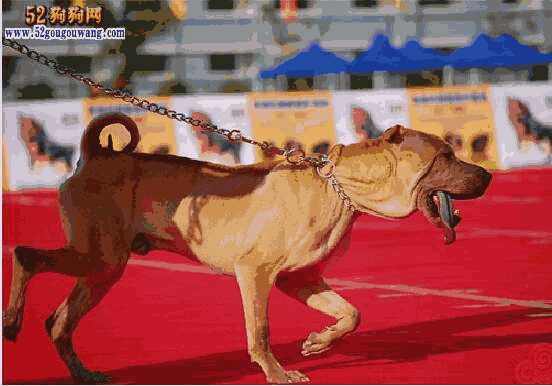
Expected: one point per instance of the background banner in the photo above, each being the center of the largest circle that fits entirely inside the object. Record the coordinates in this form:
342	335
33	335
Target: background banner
361	115
156	131
523	118
302	118
494	126
461	115
225	111
41	140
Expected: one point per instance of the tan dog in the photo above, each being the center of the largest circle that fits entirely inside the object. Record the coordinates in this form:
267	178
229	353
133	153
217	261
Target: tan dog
266	224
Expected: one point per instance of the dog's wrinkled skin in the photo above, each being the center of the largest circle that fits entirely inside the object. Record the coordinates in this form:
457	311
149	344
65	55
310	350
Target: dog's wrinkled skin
266	224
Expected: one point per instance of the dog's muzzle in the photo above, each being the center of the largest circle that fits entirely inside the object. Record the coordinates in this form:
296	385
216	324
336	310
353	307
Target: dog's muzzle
450	180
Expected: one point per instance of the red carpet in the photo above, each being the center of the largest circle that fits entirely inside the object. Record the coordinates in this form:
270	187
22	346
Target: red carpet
478	311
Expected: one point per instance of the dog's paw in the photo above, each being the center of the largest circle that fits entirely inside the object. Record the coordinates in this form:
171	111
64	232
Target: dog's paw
10	332
316	343
87	377
10	327
287	377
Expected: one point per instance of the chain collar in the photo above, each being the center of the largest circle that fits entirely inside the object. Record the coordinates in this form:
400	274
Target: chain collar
294	156
325	168
329	175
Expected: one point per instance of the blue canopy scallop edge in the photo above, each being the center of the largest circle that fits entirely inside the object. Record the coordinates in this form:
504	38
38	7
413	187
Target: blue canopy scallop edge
483	52
313	61
502	51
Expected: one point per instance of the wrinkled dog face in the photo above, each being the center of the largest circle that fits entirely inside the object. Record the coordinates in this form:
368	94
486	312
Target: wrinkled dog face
449	178
427	170
404	170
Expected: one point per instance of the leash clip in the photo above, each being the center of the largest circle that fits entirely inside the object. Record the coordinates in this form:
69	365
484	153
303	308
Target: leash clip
294	156
325	161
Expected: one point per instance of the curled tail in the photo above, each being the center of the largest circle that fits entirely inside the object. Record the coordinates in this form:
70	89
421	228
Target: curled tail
90	143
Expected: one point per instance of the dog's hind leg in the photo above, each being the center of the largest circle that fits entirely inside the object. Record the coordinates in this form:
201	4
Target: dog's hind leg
13	316
101	270
86	294
310	289
27	262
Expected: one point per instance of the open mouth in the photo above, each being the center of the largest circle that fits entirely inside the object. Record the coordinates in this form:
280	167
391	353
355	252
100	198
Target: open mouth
449	179
449	217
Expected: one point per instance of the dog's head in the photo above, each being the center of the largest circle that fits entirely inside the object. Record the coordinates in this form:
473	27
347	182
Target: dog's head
404	170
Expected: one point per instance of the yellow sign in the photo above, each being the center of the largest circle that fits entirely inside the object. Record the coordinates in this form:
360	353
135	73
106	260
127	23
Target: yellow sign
156	131
461	115
303	119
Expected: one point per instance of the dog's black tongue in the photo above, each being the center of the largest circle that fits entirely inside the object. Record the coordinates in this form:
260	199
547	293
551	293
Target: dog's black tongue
447	216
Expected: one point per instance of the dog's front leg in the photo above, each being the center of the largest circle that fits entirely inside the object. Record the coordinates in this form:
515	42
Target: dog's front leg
255	284
310	289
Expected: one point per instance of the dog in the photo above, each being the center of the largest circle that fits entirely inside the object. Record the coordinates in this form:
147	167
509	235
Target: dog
268	224
41	148
526	126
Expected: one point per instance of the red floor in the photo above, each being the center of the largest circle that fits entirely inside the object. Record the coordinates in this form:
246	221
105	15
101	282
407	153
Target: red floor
478	311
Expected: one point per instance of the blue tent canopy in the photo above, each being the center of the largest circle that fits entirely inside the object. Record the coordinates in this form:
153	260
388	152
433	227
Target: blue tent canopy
524	54
477	54
503	51
421	58
483	52
311	62
381	56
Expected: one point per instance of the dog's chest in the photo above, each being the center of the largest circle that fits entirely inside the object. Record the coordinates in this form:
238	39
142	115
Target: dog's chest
322	247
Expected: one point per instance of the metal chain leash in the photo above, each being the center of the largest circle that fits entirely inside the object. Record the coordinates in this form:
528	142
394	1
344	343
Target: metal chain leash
125	95
293	156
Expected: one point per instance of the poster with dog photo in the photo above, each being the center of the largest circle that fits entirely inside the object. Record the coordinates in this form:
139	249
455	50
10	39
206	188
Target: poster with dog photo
156	131
41	140
523	118
225	111
461	115
361	115
301	120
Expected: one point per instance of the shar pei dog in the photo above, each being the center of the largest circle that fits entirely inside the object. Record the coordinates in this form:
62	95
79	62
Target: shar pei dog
268	224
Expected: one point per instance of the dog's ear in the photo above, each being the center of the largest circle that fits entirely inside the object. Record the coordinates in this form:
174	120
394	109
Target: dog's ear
393	134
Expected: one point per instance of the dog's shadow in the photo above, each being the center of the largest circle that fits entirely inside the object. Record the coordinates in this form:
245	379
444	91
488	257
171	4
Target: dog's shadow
412	342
